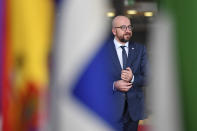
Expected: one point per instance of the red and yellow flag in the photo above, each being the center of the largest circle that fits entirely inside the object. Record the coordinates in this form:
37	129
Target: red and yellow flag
28	35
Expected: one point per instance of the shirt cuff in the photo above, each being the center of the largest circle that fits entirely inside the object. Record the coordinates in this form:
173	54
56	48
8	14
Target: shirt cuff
114	89
132	79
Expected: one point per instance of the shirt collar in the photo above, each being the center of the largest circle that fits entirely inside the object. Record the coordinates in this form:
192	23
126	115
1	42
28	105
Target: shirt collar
118	44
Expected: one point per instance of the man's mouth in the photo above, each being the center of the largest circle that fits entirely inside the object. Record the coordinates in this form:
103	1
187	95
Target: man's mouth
128	34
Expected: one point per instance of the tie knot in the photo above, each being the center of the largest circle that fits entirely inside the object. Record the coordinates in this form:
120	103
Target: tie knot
123	47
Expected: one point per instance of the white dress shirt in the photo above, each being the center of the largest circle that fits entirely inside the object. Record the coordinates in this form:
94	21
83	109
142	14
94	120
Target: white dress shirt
119	52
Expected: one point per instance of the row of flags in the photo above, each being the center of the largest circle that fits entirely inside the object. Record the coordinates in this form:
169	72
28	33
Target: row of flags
50	56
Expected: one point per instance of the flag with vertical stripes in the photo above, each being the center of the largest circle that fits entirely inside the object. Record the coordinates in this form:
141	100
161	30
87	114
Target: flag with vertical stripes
174	67
28	32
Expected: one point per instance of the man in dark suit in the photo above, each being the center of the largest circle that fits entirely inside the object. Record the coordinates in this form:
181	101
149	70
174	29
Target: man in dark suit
128	71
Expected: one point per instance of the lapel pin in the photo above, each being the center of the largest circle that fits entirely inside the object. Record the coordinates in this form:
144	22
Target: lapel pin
132	48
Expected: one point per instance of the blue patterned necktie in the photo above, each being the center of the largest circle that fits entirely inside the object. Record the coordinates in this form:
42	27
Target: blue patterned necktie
124	57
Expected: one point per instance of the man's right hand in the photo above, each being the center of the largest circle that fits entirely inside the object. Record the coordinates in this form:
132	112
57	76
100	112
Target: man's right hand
127	74
122	85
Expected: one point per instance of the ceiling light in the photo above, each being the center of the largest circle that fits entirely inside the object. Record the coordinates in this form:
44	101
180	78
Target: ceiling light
131	12
110	14
148	14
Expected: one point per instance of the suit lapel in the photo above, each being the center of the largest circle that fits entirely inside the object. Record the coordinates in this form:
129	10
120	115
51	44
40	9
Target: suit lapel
131	55
114	56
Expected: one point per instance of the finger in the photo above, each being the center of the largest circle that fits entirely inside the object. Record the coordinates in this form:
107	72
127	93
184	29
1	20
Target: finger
125	83
127	73
124	71
125	90
124	76
124	79
128	84
128	69
127	80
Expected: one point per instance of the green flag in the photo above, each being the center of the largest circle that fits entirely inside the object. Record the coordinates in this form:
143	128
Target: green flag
182	64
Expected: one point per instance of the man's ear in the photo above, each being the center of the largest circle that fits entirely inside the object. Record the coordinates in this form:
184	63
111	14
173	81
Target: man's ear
114	31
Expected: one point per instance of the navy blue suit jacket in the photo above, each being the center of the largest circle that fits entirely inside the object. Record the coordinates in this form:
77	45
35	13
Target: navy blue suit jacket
137	61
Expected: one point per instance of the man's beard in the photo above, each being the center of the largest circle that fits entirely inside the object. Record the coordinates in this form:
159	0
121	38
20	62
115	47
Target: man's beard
122	39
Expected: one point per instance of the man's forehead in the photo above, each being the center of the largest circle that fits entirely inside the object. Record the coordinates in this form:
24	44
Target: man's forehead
122	20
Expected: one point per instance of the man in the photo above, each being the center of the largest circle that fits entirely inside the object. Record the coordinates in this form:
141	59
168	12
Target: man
128	72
